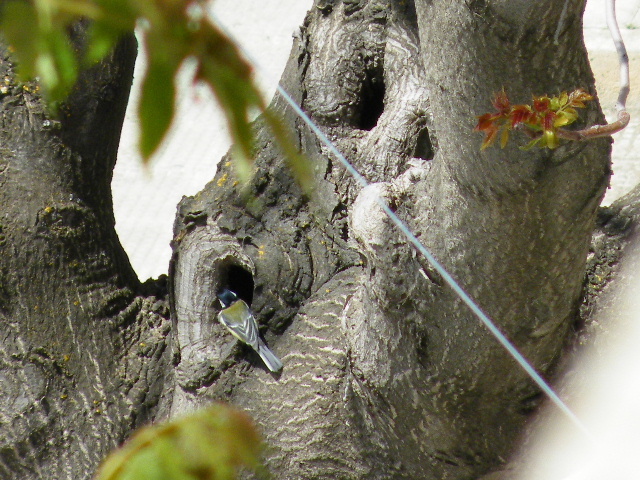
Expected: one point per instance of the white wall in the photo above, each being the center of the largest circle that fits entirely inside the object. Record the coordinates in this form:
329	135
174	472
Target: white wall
145	199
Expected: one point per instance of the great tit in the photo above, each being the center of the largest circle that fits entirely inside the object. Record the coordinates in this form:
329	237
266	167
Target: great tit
237	317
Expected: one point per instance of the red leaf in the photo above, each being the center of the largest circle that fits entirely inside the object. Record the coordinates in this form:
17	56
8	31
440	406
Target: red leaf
578	97
542	118
489	139
501	102
520	114
541	104
547	123
485	122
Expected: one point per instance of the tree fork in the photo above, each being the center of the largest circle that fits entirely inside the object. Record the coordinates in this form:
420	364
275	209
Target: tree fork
386	374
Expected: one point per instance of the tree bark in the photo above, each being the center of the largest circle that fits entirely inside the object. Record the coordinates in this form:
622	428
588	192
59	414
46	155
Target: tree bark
386	373
81	358
421	387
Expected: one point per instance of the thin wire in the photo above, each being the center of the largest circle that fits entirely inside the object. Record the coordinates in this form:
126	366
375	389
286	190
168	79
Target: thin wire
563	16
466	298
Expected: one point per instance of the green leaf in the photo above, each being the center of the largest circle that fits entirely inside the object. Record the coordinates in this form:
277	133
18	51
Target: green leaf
300	165
565	117
212	443
161	460
102	40
531	144
60	56
504	138
149	465
550	139
42	49
558	102
230	78
20	26
38	32
237	96
157	104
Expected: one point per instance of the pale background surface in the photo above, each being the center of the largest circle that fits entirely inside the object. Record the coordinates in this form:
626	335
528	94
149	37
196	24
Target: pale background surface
145	200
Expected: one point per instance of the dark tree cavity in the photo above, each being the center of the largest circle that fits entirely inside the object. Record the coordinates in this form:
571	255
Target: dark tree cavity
386	373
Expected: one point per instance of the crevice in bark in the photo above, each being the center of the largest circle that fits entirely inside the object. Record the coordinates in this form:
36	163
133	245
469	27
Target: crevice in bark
372	97
325	6
424	149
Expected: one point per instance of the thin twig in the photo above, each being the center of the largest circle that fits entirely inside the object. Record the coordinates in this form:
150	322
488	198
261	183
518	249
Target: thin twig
596	131
623	58
621	105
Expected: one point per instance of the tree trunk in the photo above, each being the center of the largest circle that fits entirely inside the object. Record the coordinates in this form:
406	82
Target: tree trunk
386	373
81	360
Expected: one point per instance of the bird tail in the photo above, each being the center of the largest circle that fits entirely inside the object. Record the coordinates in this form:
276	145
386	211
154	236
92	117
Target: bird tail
272	362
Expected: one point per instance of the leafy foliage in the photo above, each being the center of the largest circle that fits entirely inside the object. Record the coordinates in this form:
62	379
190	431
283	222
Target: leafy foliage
543	120
211	444
174	30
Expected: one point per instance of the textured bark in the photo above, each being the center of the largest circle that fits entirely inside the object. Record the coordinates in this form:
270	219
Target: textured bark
80	359
386	374
423	388
614	245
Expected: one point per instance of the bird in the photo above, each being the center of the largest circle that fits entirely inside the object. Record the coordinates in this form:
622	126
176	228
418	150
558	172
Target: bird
237	317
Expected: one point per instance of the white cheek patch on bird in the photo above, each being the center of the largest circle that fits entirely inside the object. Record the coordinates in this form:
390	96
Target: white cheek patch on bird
237	317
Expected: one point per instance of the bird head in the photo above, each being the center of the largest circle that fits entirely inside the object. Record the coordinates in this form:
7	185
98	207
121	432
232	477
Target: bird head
226	297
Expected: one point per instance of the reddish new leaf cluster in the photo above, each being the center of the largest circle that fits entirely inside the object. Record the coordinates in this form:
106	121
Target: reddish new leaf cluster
542	120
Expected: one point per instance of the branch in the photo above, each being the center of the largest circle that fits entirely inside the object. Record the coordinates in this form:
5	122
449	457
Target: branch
596	131
623	59
623	116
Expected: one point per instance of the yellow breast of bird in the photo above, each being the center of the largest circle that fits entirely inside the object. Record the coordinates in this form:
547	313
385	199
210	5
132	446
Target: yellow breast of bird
236	312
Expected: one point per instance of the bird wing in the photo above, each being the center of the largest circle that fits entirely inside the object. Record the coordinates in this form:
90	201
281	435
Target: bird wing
240	322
